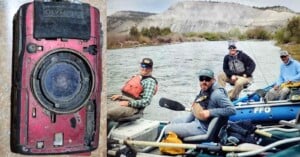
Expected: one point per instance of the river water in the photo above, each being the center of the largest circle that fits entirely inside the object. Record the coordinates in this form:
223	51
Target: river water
176	67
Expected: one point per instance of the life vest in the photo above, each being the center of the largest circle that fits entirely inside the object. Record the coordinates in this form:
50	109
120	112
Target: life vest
133	87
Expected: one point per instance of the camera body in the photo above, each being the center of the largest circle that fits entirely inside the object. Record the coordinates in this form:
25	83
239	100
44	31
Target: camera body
57	78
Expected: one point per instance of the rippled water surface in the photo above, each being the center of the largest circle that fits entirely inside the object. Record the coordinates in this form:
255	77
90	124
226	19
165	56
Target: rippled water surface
176	68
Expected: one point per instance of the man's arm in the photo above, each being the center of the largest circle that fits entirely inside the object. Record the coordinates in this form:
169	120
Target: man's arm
280	79
296	78
249	63
199	112
223	106
226	67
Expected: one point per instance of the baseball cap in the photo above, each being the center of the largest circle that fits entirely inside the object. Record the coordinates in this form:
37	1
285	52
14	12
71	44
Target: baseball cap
284	53
207	73
231	46
147	62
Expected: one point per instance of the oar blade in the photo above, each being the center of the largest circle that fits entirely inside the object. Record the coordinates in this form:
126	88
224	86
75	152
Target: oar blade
171	104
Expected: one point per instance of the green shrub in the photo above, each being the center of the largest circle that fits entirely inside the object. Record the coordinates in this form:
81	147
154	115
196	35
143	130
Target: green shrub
145	32
293	27
134	32
153	32
165	31
191	34
289	33
258	33
211	36
234	33
282	36
242	37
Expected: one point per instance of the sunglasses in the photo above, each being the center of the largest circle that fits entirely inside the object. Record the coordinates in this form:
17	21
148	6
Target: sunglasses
282	57
204	78
146	66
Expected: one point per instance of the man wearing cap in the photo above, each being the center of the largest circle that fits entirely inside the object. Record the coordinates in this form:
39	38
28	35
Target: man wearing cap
237	70
212	101
136	93
289	74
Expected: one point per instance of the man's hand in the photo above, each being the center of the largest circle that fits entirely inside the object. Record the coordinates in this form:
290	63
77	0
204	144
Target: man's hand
233	78
115	97
276	87
199	112
124	103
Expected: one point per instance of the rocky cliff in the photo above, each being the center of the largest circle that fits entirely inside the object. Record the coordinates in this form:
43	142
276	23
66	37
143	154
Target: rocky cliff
122	21
202	16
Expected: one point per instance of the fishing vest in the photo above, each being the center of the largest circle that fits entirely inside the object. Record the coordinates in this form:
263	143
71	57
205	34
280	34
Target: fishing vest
134	88
236	65
203	97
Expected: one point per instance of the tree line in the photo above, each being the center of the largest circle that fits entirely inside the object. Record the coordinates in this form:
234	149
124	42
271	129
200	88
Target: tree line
151	32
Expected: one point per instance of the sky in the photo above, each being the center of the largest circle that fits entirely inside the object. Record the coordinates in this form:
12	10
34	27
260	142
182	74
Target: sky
157	6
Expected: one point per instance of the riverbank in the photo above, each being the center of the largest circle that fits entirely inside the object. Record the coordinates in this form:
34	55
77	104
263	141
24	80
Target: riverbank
120	42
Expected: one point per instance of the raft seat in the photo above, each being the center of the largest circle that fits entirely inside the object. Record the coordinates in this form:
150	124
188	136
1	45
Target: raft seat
125	120
213	130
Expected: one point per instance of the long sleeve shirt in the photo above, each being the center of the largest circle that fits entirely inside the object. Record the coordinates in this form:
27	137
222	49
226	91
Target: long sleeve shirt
289	72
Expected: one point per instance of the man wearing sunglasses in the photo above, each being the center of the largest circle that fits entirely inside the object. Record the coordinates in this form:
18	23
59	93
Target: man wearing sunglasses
237	70
136	94
289	74
212	101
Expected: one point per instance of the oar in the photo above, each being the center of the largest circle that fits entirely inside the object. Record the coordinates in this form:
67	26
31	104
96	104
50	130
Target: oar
175	105
172	105
210	147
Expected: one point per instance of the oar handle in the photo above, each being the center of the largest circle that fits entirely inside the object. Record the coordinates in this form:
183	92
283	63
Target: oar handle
263	133
210	147
236	149
174	145
188	109
159	144
266	134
